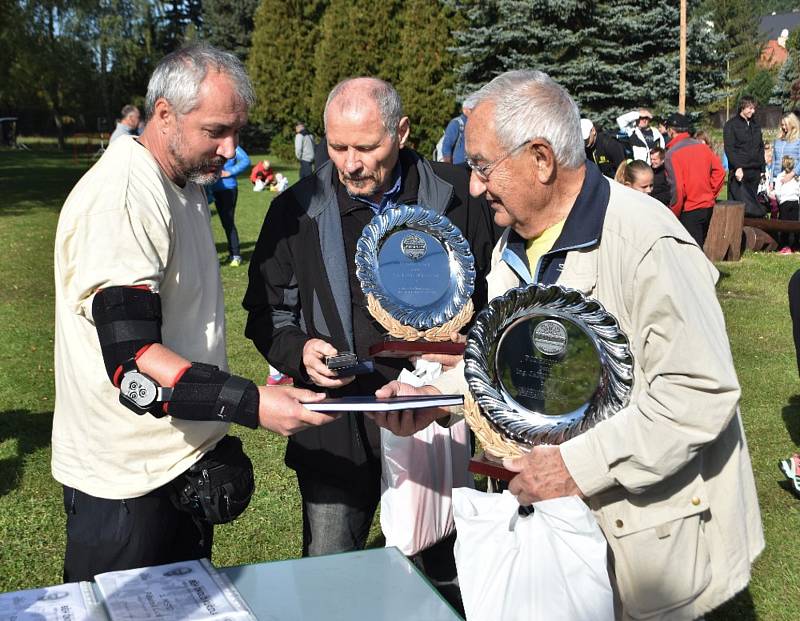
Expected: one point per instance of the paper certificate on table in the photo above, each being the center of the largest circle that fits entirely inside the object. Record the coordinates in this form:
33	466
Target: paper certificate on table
189	591
66	602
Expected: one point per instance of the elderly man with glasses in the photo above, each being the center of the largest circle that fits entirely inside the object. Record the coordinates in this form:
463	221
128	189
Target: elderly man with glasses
668	477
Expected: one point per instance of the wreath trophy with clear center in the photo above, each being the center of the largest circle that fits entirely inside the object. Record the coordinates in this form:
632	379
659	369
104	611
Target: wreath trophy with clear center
543	364
417	274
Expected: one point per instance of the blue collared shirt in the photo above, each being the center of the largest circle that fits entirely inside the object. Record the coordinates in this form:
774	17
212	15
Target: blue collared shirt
387	201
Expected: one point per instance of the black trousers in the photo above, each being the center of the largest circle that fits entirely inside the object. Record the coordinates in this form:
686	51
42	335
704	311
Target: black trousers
305	168
788	210
226	208
794	311
109	535
696	222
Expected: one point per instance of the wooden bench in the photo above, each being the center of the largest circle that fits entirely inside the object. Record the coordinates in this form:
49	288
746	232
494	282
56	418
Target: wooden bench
729	232
761	227
756	240
774	226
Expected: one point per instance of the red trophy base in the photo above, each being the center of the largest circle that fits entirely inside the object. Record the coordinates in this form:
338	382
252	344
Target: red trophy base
490	467
406	349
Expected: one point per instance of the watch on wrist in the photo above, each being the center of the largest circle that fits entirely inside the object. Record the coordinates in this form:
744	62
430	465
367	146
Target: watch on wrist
140	393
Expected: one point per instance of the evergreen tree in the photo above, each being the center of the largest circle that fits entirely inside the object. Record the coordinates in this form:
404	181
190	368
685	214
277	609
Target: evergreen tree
611	55
479	44
738	20
427	81
181	20
761	86
356	39
228	24
705	66
788	75
281	64
765	7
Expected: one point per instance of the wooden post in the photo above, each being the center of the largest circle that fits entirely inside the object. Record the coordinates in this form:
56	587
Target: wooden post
724	238
682	81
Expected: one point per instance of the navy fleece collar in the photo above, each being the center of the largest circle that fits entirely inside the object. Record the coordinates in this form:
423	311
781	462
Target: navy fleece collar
582	229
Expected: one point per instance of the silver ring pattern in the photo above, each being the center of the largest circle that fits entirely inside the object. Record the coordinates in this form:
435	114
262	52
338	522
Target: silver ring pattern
616	361
460	259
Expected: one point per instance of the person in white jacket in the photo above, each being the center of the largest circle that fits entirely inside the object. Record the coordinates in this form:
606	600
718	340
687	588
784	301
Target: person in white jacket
642	137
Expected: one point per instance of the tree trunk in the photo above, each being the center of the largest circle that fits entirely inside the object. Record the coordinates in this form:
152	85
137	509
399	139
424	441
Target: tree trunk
59	129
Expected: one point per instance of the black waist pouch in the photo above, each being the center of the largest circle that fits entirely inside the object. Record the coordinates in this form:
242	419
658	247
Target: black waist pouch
219	486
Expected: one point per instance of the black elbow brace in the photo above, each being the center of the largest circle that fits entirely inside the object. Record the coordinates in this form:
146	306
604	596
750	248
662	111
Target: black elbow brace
127	319
204	393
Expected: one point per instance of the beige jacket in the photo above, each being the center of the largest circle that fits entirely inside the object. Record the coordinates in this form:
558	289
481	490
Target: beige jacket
668	477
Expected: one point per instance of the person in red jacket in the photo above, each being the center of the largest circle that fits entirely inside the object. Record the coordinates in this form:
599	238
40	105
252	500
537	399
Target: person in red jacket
262	172
695	176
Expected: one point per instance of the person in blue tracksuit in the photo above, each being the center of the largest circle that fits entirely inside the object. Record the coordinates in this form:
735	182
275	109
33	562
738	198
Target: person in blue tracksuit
225	192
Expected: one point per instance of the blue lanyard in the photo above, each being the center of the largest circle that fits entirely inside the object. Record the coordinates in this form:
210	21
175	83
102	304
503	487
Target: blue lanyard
513	261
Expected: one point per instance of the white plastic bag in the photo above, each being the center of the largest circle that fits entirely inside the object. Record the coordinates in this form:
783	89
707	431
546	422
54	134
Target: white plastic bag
419	474
548	566
259	185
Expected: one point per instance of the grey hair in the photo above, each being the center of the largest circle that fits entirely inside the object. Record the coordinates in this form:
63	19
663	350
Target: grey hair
530	104
382	93
470	101
178	77
126	110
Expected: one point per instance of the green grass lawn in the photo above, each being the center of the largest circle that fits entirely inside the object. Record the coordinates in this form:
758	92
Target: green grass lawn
35	184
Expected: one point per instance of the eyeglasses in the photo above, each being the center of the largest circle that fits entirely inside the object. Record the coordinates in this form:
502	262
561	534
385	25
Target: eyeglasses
485	170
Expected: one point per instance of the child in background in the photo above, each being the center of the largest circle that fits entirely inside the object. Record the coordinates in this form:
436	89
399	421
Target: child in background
281	183
636	174
787	193
768	175
765	193
262	176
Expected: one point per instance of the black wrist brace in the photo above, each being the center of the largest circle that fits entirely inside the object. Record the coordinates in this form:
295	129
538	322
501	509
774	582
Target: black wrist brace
204	393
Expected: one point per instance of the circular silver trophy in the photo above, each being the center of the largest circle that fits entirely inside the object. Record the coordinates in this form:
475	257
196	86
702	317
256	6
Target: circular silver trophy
417	273
543	364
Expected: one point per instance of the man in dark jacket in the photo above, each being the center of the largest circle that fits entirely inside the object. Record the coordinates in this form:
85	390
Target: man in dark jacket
305	302
661	190
695	175
744	147
604	150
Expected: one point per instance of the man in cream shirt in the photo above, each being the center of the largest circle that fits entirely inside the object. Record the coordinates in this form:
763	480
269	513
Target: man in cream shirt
668	477
137	224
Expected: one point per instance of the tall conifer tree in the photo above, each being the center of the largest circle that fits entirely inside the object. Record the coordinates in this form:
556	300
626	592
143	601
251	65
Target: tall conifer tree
357	38
427	80
281	65
228	24
788	75
611	55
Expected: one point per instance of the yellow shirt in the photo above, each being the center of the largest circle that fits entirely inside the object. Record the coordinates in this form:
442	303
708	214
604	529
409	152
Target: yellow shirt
538	246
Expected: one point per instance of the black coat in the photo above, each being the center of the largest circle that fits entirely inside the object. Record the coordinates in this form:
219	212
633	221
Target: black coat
607	152
297	291
661	189
744	144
